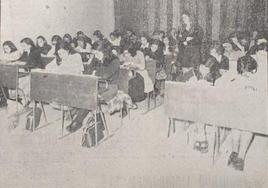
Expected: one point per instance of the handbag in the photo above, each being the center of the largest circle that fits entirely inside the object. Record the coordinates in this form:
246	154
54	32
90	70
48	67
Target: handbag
29	119
88	136
161	74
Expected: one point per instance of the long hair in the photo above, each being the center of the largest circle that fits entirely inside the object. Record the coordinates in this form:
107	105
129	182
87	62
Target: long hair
11	45
28	41
69	37
192	19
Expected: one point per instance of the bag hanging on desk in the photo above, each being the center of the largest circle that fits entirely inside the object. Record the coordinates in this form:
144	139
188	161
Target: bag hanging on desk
161	74
29	117
3	97
88	137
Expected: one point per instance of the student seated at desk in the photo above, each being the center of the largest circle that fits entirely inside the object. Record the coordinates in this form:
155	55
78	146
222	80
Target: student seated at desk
133	59
115	38
31	56
83	48
108	72
209	74
83	35
42	46
145	45
10	52
68	41
69	64
157	54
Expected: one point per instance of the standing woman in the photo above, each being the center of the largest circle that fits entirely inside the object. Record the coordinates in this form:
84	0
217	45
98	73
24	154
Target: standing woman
190	38
42	45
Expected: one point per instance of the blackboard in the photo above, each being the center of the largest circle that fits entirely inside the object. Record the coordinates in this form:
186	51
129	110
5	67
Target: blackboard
79	91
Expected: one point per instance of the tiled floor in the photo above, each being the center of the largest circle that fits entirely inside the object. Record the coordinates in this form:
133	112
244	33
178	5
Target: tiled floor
137	154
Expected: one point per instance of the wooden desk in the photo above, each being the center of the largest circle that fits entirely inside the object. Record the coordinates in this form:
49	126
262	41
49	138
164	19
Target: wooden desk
242	110
219	107
76	91
9	79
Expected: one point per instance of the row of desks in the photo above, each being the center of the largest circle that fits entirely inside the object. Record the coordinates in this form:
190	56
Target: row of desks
217	106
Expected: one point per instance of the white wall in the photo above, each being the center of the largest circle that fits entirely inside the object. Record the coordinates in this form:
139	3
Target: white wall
21	18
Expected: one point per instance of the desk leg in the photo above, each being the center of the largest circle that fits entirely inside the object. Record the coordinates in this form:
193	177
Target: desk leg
96	128
149	101
121	112
214	146
34	120
154	99
70	114
174	126
169	126
62	120
44	112
105	123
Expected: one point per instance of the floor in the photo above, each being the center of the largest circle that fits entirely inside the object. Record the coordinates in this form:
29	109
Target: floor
136	154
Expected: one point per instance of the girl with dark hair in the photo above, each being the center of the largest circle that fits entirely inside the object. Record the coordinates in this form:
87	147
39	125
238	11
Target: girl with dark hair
99	40
172	36
31	55
240	43
156	53
189	41
68	42
82	34
115	38
69	63
10	52
42	45
145	45
55	41
134	60
83	48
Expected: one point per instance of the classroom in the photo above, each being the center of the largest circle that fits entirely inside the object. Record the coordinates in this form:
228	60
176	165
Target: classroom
141	93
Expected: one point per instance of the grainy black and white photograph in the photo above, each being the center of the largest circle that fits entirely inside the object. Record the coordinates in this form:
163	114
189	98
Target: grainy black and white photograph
133	94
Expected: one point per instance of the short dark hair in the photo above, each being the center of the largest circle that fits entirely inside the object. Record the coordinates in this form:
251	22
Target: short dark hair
11	45
98	34
41	37
64	46
68	36
82	39
56	38
218	47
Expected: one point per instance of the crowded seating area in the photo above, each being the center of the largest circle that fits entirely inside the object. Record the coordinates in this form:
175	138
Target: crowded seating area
93	81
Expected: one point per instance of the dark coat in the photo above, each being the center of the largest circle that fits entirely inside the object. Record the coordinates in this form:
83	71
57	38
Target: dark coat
224	64
190	54
33	59
45	49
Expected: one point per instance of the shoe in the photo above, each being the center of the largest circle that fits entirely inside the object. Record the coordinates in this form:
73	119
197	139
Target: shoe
232	158
74	126
201	146
204	146
239	164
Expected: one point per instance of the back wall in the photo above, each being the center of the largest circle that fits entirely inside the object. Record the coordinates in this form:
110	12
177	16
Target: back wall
48	17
